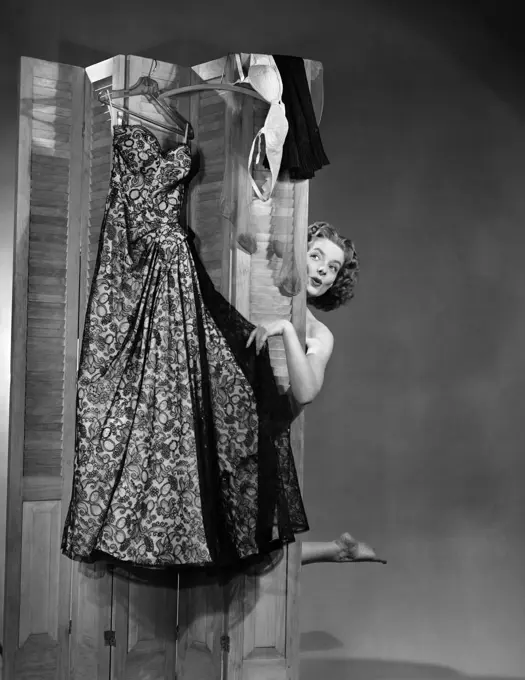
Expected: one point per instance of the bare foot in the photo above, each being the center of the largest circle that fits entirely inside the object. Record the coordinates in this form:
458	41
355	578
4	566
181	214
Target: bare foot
344	549
350	550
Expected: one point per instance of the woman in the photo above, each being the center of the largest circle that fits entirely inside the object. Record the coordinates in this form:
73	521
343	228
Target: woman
332	271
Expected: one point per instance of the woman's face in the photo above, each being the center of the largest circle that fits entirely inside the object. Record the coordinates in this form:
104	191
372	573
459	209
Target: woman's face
324	259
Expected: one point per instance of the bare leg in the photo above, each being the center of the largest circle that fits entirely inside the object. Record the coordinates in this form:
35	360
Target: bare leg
344	549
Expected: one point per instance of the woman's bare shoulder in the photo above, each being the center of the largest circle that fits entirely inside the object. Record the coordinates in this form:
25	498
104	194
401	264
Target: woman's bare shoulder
316	330
315	327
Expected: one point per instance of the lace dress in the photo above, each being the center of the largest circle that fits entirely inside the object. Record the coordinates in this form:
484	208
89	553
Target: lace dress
183	452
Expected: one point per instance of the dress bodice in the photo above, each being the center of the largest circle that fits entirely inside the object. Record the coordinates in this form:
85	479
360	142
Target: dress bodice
149	182
150	178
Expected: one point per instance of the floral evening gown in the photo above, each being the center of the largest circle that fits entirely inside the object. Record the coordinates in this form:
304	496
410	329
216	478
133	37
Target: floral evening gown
183	451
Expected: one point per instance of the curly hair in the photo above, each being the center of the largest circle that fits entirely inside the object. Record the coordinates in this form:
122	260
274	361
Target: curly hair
342	290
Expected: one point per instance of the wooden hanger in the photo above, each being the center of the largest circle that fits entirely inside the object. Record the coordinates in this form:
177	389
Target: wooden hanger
206	86
149	88
245	89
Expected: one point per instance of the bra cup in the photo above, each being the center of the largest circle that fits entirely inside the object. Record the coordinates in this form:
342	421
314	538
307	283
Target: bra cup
263	75
265	80
275	126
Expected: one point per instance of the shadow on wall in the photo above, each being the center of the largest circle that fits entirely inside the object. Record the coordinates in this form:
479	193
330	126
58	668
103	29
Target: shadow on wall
376	669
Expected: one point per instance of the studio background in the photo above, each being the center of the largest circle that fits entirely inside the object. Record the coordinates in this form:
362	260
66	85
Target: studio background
416	442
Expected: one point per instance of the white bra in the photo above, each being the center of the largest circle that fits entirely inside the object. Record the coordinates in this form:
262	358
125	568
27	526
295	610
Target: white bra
264	77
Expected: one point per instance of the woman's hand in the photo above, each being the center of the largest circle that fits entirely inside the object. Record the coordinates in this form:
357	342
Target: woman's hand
262	333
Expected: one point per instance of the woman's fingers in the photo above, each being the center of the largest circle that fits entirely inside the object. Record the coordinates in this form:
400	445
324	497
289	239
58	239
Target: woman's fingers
262	336
251	337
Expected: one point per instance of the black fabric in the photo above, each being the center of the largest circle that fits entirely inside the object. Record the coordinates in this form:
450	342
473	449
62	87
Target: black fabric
277	474
303	152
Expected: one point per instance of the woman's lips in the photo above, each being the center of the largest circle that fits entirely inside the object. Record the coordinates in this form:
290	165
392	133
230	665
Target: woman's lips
315	282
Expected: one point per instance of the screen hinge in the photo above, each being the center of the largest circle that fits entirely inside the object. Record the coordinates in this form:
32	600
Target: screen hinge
109	638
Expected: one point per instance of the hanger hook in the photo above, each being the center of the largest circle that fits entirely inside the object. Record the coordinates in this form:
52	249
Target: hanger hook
226	61
153	67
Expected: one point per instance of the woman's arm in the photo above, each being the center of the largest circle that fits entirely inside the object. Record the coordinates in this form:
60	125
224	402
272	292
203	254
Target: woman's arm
306	371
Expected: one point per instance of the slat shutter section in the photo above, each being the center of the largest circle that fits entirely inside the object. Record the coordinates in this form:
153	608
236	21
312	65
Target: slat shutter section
49	195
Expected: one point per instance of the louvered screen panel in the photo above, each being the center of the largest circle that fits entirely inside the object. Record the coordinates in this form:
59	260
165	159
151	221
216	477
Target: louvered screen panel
258	623
263	620
92	584
45	315
144	615
201	601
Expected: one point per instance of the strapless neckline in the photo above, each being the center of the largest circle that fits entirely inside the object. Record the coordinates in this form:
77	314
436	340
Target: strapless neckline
150	133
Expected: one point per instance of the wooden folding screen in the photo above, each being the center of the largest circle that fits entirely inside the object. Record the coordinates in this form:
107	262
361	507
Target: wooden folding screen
65	620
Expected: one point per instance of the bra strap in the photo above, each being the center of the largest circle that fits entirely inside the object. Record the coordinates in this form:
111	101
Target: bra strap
240	69
257	141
